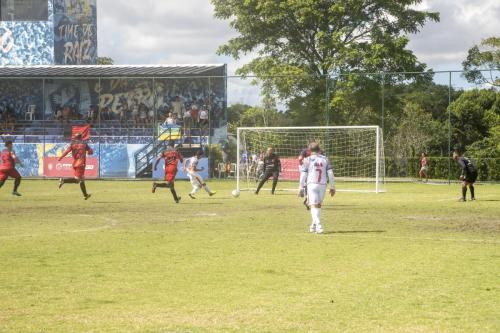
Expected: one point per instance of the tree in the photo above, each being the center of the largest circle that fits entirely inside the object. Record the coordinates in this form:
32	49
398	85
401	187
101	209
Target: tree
105	61
299	43
475	116
483	57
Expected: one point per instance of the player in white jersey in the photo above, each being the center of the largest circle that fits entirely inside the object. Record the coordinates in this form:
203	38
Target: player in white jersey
315	170
191	166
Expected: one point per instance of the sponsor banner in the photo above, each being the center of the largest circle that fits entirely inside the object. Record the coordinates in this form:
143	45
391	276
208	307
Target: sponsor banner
160	171
290	169
64	168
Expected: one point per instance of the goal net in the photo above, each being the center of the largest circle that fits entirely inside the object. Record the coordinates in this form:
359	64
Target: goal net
356	153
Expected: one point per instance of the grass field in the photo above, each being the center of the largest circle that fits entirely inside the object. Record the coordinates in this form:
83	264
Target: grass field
409	260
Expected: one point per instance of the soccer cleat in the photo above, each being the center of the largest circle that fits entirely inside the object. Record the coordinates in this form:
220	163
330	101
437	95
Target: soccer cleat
191	196
178	199
87	197
319	230
153	189
212	193
312	228
61	182
256	193
15	193
462	200
472	199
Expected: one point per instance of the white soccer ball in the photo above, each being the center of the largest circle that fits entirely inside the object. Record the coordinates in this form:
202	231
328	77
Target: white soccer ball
235	193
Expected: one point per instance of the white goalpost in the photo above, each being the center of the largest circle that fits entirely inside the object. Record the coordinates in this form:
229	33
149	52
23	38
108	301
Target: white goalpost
356	153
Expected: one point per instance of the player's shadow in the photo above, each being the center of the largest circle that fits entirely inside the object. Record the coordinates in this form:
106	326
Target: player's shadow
494	200
353	232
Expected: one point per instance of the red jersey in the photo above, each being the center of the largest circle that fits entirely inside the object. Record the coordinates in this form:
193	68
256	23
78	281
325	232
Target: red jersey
8	162
79	152
172	157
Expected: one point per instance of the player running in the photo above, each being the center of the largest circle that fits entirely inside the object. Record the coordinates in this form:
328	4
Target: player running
191	166
8	167
424	167
272	168
79	151
172	157
468	176
315	169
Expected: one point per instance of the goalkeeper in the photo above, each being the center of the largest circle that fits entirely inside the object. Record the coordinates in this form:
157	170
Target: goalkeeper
468	176
272	168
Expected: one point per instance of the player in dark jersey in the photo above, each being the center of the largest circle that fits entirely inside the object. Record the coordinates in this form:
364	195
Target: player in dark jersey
171	157
272	168
468	176
78	150
8	167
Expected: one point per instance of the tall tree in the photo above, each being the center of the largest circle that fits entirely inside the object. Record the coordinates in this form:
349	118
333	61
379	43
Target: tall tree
299	42
105	61
483	62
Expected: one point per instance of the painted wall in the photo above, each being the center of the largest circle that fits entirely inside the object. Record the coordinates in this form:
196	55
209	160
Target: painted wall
68	37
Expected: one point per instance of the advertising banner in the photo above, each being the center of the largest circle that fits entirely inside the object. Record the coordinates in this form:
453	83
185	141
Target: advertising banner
289	169
64	168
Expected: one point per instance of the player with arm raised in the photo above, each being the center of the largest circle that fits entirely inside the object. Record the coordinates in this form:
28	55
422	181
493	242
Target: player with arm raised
272	168
171	157
191	166
315	170
468	176
79	151
8	167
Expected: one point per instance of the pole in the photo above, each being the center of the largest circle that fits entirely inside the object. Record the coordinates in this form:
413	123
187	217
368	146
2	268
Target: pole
377	161
449	128
327	99
383	100
238	159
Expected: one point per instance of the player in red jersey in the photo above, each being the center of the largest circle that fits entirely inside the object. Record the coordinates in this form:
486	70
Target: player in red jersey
79	150
172	157
8	167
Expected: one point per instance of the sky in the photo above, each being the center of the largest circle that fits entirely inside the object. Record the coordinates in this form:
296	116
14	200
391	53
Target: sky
185	32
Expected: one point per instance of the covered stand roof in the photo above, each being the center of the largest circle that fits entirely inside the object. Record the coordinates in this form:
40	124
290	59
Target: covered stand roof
112	71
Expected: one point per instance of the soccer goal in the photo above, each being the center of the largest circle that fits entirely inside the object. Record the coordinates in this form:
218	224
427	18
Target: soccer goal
356	153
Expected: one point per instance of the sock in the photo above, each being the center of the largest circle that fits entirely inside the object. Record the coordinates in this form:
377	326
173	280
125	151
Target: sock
206	188
315	213
261	183
275	182
174	194
83	188
195	189
464	191
1	183
162	185
17	181
70	181
471	191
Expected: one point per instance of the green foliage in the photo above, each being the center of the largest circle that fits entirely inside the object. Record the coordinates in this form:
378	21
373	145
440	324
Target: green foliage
474	114
299	42
241	115
105	61
486	57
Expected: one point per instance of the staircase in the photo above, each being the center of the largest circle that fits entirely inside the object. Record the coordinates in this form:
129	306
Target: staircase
146	156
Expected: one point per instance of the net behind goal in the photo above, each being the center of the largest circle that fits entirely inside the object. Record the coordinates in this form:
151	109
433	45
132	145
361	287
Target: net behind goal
356	153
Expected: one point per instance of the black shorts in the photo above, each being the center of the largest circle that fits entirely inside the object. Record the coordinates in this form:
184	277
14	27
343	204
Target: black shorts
471	177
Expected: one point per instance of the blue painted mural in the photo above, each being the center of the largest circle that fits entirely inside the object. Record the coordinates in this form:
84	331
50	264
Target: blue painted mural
67	37
27	43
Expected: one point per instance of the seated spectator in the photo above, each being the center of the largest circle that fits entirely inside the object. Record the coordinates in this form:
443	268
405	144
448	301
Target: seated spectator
194	115
135	111
170	120
143	114
203	117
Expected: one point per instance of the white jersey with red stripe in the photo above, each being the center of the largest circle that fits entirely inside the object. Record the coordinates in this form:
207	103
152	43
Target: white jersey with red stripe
316	166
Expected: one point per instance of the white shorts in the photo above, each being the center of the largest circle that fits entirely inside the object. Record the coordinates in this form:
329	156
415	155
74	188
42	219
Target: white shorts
195	179
315	193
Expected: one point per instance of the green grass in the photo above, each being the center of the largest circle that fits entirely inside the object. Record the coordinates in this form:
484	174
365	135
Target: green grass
409	260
